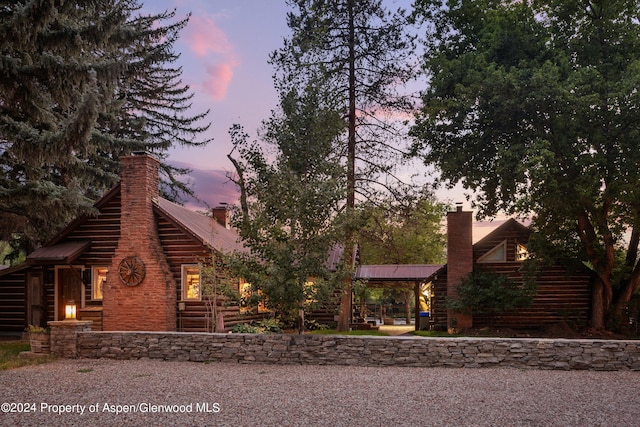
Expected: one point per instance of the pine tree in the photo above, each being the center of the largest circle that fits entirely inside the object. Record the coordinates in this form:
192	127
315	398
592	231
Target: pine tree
81	83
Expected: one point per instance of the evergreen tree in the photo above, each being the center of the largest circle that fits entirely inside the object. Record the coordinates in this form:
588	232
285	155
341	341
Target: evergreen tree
82	83
357	53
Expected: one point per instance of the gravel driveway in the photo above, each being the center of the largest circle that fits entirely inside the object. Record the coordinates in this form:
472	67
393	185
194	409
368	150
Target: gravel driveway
141	393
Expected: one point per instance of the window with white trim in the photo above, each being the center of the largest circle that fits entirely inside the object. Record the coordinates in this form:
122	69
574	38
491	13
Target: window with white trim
497	254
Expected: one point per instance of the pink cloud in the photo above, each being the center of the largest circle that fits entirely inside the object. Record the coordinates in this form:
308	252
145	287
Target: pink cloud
219	79
206	40
203	36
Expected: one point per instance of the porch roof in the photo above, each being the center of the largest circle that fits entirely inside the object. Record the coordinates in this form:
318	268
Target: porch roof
396	272
62	253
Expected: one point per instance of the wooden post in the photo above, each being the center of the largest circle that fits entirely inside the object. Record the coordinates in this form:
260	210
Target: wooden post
416	294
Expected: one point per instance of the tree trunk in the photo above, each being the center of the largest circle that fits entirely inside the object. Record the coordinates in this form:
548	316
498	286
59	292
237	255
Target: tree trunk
623	298
344	317
597	304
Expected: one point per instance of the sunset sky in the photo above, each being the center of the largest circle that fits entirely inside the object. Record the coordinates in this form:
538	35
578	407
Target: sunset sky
224	52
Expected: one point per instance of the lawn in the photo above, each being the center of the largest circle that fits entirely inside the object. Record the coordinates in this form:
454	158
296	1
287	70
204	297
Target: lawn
363	332
10	355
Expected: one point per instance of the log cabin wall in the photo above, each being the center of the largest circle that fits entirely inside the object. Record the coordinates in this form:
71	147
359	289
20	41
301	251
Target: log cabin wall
103	230
563	295
183	249
439	300
13	309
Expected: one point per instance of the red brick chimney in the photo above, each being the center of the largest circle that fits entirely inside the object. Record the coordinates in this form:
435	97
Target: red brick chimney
221	215
459	261
140	291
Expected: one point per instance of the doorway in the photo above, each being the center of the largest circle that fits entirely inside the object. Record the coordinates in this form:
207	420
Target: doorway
69	287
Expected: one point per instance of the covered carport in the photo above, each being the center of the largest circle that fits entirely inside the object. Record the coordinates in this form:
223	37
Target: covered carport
398	275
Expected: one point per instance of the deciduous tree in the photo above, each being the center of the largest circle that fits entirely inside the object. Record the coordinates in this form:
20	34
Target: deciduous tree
535	105
291	187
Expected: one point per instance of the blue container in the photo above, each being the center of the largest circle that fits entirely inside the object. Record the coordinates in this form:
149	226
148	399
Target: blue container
424	314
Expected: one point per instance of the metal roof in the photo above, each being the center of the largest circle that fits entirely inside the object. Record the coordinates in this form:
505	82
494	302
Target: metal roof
62	253
396	272
203	227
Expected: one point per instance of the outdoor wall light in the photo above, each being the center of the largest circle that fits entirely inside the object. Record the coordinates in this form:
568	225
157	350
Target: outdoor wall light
70	310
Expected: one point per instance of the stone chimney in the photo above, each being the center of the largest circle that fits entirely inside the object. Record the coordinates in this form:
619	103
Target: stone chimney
140	291
221	215
459	261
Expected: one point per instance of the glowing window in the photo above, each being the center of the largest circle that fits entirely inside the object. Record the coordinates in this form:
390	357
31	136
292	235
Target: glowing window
191	282
99	278
521	252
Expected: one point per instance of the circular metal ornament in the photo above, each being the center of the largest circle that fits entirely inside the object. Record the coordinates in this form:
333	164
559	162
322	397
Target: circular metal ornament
131	270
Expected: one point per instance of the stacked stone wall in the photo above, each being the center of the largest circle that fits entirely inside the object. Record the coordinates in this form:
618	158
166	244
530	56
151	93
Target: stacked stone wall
363	351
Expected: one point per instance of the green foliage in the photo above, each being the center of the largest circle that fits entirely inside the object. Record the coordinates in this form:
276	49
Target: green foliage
290	203
264	326
10	355
83	83
217	288
535	107
358	54
404	233
491	293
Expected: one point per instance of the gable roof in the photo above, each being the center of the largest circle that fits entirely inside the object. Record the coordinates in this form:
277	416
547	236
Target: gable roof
202	227
508	224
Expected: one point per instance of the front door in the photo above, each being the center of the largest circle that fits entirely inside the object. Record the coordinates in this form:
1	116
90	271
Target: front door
35	298
69	286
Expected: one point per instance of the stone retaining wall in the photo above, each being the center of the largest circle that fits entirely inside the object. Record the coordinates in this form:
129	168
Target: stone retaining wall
363	350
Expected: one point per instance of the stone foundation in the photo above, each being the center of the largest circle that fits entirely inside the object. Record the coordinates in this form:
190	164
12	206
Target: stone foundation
363	351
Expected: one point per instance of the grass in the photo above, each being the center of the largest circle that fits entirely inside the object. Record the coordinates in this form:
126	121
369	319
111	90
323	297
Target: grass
10	359
335	332
432	334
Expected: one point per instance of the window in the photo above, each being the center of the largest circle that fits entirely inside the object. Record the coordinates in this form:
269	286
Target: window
497	254
99	278
191	282
521	252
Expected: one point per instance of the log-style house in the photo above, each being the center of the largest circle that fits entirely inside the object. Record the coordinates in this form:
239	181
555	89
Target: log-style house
134	265
563	293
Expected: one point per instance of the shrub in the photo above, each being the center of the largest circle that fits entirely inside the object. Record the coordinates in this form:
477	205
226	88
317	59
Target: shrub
491	293
264	326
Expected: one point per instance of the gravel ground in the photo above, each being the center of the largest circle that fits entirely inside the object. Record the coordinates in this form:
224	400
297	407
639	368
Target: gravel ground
223	394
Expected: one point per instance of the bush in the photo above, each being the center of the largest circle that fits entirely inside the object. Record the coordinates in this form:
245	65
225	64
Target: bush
491	293
264	326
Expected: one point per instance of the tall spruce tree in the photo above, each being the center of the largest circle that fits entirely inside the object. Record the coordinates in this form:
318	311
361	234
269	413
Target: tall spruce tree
82	83
358	53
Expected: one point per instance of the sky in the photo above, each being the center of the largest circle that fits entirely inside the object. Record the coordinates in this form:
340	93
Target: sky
224	53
